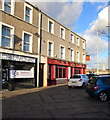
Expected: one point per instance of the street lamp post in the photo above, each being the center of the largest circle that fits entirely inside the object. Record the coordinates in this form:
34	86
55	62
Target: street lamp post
97	46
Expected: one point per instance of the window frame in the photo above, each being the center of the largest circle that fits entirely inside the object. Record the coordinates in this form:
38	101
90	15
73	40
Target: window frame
84	58
31	12
12	7
62	36
60	72
52	29
52	51
72	57
31	41
84	45
12	35
63	57
72	38
78	56
78	41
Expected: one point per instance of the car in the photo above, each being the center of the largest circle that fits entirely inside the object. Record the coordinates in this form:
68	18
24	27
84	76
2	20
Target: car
90	75
99	87
78	80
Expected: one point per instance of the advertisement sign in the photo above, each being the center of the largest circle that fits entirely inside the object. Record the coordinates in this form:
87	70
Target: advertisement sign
5	56
21	74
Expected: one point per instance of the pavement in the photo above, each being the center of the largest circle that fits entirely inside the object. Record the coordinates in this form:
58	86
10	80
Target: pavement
53	102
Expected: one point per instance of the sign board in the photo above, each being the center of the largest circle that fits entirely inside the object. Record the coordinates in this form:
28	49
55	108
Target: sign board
87	57
19	58
21	74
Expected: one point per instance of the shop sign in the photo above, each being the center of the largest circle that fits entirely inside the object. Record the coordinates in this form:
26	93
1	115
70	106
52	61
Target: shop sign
58	62
21	74
5	56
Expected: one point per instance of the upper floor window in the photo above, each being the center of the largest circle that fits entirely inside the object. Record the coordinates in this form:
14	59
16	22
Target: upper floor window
62	52
28	13
50	27
7	35
50	49
78	41
27	42
8	6
72	38
71	55
78	56
84	59
62	33
84	46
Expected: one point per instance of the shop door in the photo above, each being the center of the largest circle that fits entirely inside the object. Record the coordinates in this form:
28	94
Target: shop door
49	75
41	75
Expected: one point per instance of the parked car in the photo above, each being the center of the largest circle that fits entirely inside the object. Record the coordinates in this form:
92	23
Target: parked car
91	75
78	80
99	87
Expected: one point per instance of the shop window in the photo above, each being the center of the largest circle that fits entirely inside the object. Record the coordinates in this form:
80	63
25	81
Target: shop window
77	71
28	10
7	36
27	42
60	72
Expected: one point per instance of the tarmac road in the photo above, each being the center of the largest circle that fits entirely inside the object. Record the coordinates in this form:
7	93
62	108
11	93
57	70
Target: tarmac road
54	102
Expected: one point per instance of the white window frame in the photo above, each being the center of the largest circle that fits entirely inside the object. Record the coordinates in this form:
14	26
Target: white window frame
52	55
78	41
84	46
31	41
72	58
78	56
72	38
12	6
62	37
84	58
31	12
63	51
52	26
12	35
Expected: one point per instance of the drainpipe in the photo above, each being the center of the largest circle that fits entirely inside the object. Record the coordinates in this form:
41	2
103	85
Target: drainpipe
39	46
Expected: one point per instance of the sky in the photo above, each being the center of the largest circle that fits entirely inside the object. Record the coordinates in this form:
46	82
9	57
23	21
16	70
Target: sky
88	18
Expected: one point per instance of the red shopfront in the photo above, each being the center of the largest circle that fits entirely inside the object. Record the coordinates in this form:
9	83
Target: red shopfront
59	71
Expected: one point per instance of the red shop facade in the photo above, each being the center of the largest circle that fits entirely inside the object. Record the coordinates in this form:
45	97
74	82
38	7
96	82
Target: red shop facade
59	71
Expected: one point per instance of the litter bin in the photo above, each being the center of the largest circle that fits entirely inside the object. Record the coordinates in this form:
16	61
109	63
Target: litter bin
11	86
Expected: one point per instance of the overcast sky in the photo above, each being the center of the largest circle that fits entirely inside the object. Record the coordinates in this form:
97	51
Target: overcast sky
85	18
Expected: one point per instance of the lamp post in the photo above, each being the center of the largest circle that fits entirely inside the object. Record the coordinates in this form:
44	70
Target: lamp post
97	50
97	46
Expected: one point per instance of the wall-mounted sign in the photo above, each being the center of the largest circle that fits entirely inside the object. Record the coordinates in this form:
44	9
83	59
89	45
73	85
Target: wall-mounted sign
64	63
6	56
21	74
87	57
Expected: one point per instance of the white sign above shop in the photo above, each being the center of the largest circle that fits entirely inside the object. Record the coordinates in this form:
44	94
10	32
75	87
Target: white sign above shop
19	58
21	74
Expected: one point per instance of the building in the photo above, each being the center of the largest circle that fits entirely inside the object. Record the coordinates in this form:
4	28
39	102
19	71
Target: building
63	52
19	38
35	48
